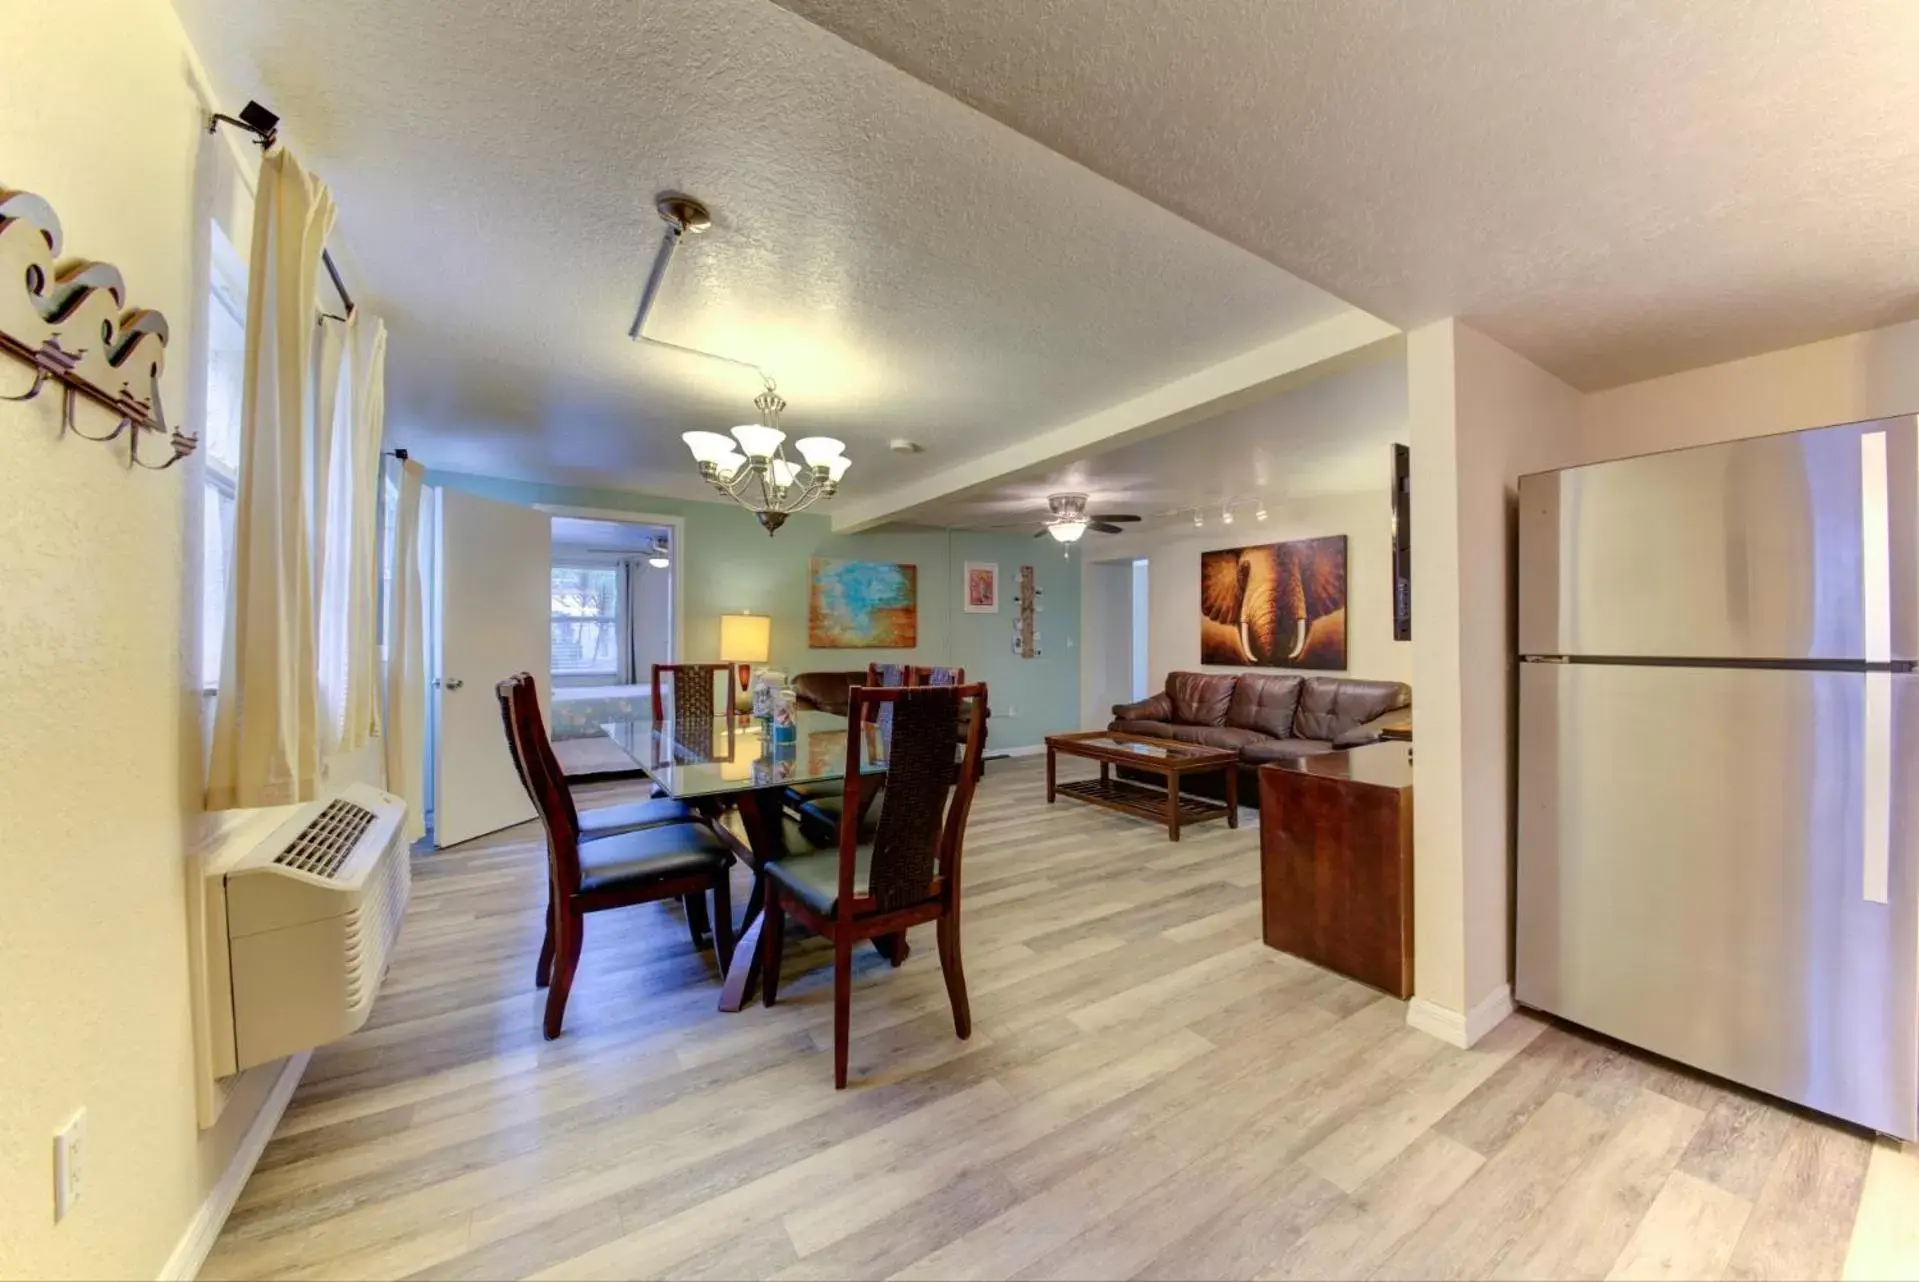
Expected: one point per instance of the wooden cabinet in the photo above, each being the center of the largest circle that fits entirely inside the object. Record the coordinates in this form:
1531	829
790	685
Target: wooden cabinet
1336	862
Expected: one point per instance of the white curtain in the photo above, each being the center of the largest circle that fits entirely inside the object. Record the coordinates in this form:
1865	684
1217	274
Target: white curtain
267	730
351	361
405	733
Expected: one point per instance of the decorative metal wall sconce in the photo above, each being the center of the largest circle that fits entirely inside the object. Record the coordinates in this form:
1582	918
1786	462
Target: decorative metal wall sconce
70	324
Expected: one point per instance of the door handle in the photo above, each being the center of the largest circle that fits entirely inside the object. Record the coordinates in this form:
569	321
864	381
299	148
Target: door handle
451	683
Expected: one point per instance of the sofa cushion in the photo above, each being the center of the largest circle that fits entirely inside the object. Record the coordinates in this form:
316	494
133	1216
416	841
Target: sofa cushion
1199	698
1265	704
1329	706
1270	750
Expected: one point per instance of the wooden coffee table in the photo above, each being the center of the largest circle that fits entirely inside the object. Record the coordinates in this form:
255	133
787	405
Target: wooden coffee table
1171	760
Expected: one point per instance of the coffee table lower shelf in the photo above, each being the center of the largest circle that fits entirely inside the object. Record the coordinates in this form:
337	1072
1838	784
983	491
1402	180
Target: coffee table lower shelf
1143	800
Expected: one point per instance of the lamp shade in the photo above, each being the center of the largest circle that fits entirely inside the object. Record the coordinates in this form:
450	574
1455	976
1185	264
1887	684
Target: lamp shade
745	638
707	447
1067	531
758	441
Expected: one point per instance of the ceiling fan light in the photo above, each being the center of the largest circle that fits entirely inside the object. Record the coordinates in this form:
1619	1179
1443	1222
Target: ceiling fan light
819	451
758	441
1067	531
707	447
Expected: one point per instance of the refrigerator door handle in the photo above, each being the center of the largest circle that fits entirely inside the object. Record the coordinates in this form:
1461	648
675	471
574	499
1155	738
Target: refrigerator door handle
1875	825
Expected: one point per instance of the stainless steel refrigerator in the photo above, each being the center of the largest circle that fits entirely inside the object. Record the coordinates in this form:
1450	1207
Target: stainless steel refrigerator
1719	756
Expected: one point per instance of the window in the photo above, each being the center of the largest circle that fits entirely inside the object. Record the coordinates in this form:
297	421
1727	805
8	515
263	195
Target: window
220	446
586	621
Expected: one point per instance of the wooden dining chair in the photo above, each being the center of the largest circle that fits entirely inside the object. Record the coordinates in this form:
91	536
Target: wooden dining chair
596	820
587	874
818	806
907	872
694	692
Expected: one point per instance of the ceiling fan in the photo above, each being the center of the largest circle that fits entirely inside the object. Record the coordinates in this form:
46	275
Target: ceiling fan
1069	520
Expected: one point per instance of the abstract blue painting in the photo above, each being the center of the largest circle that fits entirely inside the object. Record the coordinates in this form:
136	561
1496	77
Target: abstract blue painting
863	605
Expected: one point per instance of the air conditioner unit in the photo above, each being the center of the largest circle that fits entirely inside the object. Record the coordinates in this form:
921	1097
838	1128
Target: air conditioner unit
300	928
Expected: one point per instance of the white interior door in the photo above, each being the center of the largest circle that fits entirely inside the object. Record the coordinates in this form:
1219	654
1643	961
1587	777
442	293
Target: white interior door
495	579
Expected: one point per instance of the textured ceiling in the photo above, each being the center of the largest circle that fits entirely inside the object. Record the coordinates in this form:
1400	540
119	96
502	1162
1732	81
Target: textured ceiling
1327	437
902	264
1617	190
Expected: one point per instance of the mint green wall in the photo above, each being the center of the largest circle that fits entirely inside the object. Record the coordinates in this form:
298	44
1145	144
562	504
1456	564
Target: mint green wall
728	565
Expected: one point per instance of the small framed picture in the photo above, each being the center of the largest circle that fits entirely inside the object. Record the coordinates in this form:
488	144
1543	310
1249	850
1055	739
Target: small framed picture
982	587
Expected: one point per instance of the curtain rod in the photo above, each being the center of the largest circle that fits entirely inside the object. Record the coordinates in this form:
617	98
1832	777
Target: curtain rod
264	126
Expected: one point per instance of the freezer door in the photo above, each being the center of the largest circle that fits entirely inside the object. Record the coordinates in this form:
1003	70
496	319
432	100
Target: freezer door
1717	864
1799	546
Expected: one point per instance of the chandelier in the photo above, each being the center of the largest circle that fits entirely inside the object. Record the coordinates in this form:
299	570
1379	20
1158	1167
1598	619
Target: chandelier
751	467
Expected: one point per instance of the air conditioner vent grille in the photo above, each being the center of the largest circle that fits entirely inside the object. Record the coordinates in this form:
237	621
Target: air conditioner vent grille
326	843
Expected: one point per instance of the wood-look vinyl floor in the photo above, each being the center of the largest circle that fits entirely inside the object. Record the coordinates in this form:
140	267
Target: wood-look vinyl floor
1148	1092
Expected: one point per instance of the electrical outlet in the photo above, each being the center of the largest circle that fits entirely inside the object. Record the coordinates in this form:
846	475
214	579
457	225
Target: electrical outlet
69	1161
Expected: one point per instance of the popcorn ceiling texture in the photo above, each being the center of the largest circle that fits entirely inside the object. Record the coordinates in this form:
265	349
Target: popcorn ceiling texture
1614	191
902	264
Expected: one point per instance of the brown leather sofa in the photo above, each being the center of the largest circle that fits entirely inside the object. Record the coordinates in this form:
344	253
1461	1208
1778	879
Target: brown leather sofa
1266	718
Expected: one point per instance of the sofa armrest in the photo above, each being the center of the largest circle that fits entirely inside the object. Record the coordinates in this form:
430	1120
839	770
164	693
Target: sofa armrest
1398	715
1155	707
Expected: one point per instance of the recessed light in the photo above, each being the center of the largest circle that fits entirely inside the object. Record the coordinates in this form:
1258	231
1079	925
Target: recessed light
1226	516
901	445
1260	513
1199	522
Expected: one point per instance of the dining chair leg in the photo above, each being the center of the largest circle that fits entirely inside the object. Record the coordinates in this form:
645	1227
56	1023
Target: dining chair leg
842	1004
572	931
723	917
543	969
772	945
949	946
696	923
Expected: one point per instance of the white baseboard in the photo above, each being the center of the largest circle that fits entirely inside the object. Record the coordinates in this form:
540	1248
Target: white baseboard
1461	1030
197	1242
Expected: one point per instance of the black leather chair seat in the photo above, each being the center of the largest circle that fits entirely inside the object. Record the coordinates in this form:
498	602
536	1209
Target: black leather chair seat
645	854
634	814
813	877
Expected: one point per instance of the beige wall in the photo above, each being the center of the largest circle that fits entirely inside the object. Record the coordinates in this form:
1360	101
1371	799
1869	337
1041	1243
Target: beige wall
1861	376
99	750
1480	417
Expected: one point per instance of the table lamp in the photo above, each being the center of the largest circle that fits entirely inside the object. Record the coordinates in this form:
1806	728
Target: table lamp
745	639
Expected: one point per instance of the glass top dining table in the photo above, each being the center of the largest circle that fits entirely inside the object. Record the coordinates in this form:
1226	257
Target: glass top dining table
716	756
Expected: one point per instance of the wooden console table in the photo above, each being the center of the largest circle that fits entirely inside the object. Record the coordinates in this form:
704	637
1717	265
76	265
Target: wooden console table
1336	862
1165	757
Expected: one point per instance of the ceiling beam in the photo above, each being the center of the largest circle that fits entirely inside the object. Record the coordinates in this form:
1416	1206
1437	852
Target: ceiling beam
1305	354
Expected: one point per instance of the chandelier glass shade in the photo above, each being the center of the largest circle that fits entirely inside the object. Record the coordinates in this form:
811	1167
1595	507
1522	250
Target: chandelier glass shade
751	467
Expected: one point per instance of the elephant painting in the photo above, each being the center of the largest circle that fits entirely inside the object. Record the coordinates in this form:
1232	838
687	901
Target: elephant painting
1278	605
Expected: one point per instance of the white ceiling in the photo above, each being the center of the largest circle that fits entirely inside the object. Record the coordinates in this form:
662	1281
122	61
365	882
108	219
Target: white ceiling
1615	190
1328	437
903	265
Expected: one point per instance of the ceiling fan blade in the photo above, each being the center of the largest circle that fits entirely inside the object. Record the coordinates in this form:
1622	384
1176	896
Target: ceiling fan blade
1114	516
1104	527
1039	534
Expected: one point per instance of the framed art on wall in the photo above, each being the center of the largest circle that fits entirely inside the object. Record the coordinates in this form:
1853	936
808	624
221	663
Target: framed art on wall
1277	605
982	587
862	605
